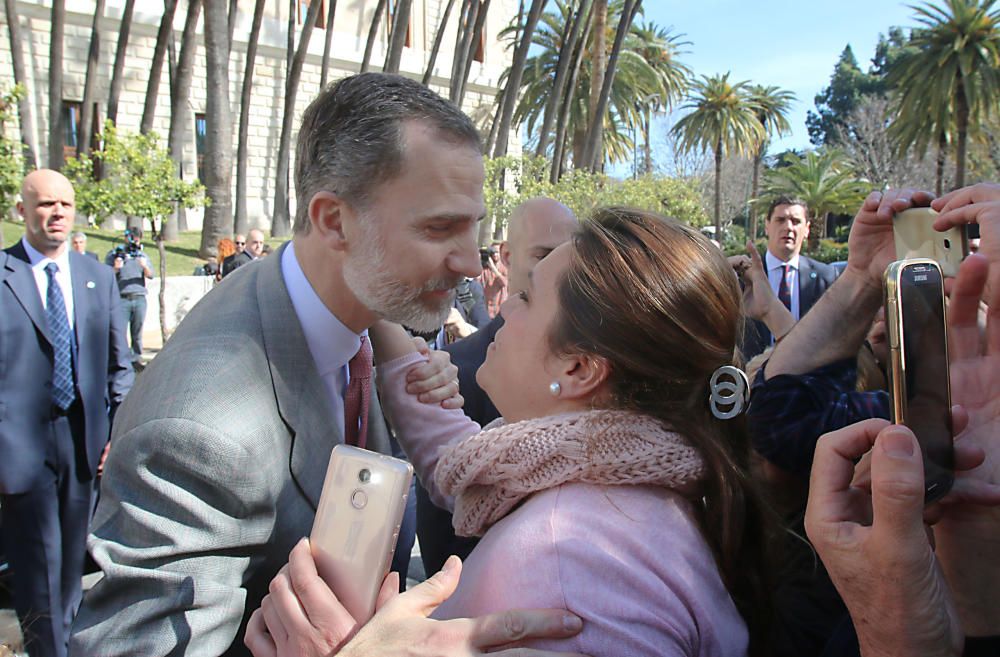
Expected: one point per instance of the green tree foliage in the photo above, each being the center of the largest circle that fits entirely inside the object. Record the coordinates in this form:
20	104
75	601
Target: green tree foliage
11	161
843	95
138	179
583	191
722	118
949	78
824	179
649	77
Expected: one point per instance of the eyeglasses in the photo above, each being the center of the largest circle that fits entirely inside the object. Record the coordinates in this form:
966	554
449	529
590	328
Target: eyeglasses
240	243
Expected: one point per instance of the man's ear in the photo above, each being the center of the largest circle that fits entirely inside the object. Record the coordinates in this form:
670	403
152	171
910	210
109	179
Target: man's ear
328	213
505	254
582	376
20	208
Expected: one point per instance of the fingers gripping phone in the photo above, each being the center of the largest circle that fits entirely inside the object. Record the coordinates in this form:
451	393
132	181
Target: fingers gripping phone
915	237
357	523
919	382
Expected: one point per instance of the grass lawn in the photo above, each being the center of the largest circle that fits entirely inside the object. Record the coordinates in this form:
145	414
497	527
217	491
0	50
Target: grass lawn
182	255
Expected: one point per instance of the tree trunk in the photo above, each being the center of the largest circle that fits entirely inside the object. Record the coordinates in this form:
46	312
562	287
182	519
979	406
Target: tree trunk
477	29
400	23
562	121
962	130
180	117
89	82
516	74
164	36
465	31
570	37
718	191
281	224
290	35
327	44
231	15
24	104
58	23
818	230
117	79
372	33
754	190
218	162
162	296
647	155
495	125
942	154
437	43
241	223
598	66
593	152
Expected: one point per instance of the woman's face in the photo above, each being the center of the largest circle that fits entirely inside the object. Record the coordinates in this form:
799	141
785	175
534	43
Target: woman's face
519	367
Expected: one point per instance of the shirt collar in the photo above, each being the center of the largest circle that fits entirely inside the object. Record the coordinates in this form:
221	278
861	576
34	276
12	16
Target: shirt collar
773	262
38	260
331	344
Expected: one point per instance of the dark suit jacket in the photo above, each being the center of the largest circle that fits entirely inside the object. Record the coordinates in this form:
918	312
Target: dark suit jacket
814	278
231	263
102	370
468	354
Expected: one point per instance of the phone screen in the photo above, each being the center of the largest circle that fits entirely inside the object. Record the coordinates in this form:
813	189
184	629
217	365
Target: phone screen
925	357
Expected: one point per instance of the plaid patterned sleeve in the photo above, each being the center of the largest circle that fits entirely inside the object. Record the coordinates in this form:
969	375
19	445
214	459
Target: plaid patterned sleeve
789	413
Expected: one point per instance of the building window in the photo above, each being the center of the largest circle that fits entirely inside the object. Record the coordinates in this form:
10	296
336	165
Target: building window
72	112
388	24
200	126
302	8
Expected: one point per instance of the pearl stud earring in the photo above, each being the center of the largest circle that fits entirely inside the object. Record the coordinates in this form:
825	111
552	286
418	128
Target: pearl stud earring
555	388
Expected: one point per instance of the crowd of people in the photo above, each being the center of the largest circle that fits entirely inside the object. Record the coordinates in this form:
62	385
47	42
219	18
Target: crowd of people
587	441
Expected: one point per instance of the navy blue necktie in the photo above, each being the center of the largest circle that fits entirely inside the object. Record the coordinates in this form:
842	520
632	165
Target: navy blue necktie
784	293
61	336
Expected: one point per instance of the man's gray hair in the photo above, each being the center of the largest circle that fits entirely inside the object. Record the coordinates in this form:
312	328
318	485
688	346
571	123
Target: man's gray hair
350	140
78	235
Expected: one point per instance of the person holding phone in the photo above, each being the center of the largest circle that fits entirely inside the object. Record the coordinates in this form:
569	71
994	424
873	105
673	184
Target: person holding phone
614	480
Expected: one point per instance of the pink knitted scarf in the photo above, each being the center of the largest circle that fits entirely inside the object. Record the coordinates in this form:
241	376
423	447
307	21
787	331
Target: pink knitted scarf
492	472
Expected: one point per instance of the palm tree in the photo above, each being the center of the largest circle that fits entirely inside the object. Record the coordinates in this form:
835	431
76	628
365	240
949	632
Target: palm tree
372	33
772	105
241	222
324	72
397	36
164	36
117	77
56	33
24	106
90	81
952	67
438	38
514	78
824	179
722	118
640	81
218	161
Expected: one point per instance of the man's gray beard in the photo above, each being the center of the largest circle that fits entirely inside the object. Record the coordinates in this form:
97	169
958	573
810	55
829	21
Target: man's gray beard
367	277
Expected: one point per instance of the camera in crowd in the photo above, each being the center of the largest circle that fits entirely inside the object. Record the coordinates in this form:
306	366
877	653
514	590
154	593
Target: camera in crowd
133	245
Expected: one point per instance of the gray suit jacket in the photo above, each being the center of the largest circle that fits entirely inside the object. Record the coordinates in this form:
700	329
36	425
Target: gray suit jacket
217	463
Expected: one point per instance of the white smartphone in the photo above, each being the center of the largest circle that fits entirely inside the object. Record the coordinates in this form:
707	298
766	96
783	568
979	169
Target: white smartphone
915	237
357	523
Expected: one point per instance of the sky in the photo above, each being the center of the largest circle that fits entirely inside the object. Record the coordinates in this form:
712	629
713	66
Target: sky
793	44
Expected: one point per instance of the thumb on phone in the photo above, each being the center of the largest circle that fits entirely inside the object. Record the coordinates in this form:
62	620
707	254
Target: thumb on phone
428	595
897	473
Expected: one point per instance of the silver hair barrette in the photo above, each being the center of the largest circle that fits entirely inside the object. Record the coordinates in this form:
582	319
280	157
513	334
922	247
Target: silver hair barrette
730	390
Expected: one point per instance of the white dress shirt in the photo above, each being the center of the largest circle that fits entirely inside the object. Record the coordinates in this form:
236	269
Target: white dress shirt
775	270
331	344
63	276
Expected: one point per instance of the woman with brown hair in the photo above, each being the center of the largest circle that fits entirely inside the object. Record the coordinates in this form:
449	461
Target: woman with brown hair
226	248
617	485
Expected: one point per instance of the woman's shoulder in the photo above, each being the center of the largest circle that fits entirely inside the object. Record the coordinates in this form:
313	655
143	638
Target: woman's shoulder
629	559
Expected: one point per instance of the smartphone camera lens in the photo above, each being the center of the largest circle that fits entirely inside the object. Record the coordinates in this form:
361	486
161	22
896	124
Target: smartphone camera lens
365	475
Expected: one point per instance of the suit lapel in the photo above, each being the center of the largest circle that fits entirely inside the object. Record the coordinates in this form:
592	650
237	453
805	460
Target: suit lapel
808	283
300	393
19	277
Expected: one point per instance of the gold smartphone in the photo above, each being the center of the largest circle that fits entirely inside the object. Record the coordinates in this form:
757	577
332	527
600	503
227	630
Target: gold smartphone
919	381
915	237
357	523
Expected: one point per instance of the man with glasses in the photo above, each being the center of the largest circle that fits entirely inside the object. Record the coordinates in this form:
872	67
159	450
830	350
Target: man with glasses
246	251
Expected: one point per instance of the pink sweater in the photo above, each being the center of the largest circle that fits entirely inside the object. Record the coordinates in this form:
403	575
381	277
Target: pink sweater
629	560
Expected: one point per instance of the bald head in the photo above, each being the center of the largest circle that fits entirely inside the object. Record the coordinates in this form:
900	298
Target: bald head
535	229
48	206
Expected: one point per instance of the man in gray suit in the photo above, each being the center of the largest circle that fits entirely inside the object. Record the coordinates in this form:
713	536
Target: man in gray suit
219	454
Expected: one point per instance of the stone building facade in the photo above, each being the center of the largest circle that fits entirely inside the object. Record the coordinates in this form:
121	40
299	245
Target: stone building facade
350	32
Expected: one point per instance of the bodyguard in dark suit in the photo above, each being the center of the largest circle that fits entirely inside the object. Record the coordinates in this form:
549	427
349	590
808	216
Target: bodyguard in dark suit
246	252
535	229
64	368
798	281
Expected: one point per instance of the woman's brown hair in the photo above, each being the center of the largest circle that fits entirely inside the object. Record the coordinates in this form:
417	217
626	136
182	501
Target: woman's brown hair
661	305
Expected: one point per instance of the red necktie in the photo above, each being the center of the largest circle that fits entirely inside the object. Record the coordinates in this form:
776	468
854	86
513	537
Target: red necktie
358	396
784	293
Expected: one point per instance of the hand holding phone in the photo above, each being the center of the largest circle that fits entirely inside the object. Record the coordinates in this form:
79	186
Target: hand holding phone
357	523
